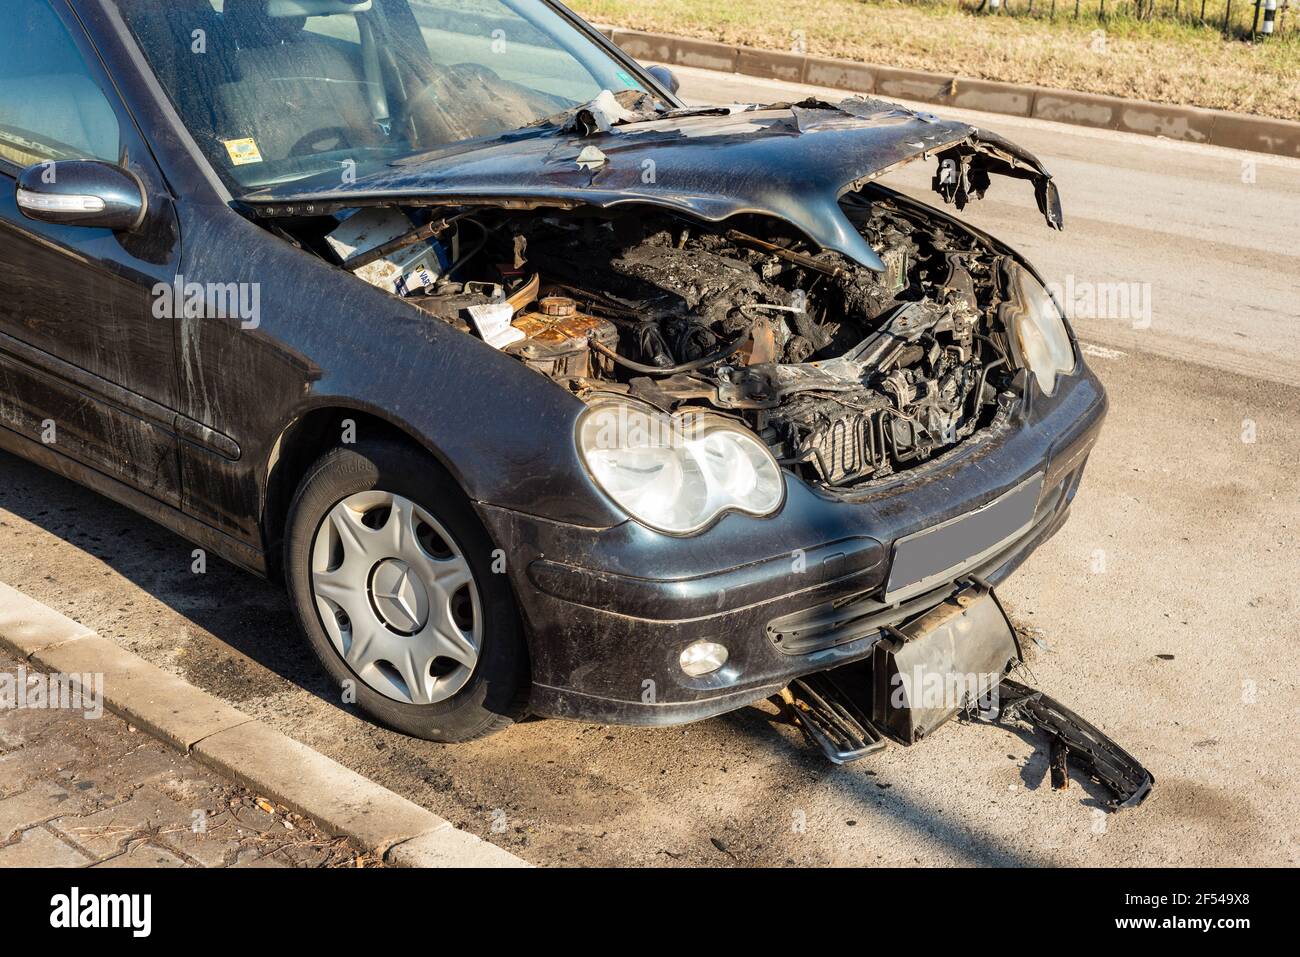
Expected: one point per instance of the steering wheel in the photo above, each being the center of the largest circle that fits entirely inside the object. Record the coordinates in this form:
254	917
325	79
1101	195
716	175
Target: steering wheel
322	140
477	68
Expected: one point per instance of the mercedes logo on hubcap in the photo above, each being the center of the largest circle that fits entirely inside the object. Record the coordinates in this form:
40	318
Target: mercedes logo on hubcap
400	598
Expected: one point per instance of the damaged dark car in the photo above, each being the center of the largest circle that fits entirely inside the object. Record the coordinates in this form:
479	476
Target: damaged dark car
542	391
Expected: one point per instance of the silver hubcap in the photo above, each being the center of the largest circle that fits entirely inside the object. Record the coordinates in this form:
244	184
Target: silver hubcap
396	597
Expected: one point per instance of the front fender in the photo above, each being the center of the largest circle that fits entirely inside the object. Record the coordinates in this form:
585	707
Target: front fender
323	338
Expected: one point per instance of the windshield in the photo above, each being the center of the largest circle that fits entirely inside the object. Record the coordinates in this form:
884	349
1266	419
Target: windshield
276	91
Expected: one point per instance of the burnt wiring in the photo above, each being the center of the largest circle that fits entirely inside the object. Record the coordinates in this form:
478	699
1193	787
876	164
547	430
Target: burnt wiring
691	366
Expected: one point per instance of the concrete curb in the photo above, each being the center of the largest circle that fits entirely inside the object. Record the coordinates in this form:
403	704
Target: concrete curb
241	747
1193	124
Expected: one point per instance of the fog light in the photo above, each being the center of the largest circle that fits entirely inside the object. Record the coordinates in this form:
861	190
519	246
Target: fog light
703	657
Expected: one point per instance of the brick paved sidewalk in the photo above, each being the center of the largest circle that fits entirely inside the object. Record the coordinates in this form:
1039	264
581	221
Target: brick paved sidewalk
78	791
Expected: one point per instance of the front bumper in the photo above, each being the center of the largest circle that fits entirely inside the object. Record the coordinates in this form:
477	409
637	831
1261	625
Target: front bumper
609	611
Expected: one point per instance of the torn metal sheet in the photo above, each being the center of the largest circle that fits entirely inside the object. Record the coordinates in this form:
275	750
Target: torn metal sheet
964	170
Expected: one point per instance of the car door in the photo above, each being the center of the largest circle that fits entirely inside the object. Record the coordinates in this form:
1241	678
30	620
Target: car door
87	369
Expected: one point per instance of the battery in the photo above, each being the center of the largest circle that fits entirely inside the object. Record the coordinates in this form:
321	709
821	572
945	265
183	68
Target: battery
402	272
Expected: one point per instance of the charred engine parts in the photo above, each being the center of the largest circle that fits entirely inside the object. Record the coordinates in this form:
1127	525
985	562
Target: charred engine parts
846	373
560	342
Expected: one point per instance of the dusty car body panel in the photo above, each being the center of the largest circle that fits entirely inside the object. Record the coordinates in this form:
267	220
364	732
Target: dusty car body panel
86	352
789	162
430	386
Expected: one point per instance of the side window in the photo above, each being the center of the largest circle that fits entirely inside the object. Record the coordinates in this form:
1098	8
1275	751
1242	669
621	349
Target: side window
51	107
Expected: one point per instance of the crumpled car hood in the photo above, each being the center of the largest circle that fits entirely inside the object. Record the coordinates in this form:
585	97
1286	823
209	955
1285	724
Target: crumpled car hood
792	161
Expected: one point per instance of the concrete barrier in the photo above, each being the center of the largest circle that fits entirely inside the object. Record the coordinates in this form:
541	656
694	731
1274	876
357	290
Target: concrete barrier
774	66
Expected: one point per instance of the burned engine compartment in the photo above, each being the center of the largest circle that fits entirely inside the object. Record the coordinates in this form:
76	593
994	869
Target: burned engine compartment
846	373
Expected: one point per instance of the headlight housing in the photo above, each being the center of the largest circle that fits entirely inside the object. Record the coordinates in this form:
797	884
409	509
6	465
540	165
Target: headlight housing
677	473
1040	332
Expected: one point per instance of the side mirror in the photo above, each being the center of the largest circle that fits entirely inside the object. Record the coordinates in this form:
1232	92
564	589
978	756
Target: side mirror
82	193
665	77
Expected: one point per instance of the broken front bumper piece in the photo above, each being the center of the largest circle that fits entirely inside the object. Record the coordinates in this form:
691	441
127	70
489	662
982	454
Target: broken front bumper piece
952	660
1072	738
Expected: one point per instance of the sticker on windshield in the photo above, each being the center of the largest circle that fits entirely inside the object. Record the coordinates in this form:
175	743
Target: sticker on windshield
629	81
243	152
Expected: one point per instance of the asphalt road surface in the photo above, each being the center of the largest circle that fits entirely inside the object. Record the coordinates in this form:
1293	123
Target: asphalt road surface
1165	611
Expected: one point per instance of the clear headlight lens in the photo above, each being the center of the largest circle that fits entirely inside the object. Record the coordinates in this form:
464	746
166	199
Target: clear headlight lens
1040	332
677	473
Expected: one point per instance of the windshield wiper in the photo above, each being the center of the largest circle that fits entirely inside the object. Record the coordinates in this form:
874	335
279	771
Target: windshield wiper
612	110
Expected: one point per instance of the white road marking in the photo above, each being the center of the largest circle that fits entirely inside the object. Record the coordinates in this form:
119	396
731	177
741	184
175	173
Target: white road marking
1100	352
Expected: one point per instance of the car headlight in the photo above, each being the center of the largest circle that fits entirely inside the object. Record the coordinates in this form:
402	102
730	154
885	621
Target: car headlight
677	473
1040	332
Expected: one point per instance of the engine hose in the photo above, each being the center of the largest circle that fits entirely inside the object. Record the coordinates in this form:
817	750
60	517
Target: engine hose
474	250
984	378
670	370
1002	352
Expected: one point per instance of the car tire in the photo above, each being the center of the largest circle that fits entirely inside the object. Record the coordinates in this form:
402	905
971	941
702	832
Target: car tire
492	694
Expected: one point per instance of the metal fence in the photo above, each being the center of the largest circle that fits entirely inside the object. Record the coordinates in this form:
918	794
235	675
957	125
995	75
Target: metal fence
1236	19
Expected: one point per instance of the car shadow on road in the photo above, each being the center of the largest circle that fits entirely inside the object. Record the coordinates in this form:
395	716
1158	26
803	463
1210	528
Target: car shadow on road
1035	772
236	619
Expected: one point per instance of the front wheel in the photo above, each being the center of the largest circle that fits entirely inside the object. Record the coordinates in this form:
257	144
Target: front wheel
390	575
